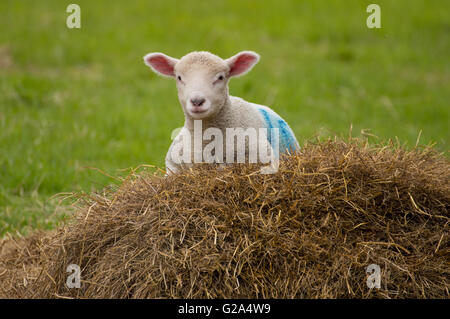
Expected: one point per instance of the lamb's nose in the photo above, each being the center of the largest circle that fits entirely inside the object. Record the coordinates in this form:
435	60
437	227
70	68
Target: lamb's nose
197	101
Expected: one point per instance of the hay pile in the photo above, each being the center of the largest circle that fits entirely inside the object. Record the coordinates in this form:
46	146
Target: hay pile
308	231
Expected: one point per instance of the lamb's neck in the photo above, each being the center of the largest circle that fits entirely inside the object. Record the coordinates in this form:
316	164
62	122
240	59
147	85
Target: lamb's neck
216	121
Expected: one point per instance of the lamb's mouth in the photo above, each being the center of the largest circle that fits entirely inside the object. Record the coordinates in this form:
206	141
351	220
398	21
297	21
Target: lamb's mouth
198	110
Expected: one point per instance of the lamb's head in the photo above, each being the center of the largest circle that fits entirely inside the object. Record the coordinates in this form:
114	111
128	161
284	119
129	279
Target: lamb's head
202	78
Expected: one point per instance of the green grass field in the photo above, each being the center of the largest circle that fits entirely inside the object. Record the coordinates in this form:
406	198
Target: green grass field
77	98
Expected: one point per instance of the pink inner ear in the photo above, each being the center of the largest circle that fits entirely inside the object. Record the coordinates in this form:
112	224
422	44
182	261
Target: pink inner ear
242	63
161	64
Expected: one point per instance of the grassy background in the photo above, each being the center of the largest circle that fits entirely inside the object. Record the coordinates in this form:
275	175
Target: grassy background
73	98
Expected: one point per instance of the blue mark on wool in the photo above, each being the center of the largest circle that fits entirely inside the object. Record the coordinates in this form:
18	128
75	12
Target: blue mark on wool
266	116
287	141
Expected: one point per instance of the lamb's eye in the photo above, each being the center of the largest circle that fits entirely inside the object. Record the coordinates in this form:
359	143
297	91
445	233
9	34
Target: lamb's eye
220	78
179	78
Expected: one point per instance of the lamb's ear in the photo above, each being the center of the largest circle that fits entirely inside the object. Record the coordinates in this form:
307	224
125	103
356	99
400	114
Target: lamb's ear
161	63
242	62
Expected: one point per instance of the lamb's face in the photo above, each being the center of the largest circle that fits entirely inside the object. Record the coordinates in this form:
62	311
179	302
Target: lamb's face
202	82
202	78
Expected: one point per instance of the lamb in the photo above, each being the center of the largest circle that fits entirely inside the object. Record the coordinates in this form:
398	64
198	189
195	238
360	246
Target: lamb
202	83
